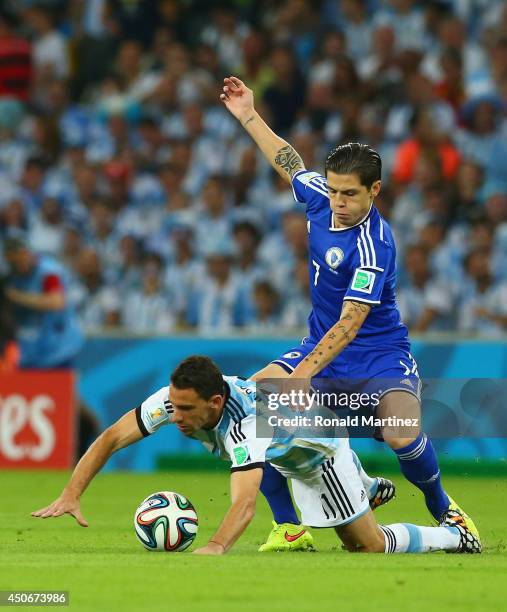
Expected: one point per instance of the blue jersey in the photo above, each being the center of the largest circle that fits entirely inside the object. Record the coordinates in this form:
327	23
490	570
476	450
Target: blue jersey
47	339
354	263
244	438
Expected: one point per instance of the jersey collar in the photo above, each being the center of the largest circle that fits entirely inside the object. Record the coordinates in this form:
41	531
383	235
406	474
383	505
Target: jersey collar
344	229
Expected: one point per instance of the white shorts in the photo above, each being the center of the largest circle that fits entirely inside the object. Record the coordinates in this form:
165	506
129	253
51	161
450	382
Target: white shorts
333	494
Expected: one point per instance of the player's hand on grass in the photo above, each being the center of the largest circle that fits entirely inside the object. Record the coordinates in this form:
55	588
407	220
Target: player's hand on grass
63	505
211	548
238	98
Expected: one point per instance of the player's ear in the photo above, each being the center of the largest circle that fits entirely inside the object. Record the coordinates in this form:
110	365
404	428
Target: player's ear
216	400
375	189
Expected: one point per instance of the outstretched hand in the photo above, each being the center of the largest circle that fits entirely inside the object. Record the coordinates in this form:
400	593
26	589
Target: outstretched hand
63	505
238	98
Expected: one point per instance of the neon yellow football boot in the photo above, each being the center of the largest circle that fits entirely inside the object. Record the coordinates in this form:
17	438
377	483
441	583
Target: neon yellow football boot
470	541
288	537
470	525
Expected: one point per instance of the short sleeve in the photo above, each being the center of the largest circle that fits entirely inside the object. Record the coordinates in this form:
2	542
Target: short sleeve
310	188
154	412
373	265
245	449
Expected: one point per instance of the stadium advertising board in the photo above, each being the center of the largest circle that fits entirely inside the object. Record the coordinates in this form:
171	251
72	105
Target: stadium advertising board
37	420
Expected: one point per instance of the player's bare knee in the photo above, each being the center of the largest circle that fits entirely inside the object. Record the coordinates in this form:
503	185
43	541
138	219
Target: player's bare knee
396	442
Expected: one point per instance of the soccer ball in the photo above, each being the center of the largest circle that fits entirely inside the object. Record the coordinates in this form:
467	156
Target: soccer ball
166	521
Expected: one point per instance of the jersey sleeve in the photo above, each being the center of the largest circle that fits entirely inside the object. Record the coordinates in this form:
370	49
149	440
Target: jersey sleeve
154	412
310	188
372	265
246	450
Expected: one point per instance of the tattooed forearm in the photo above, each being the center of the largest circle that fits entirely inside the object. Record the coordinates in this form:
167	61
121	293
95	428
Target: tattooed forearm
337	338
345	332
248	121
355	307
289	160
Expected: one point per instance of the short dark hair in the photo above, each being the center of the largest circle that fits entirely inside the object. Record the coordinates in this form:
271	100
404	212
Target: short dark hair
201	374
356	158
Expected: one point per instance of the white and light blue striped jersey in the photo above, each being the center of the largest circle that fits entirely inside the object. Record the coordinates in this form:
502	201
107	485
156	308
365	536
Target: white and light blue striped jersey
353	263
238	437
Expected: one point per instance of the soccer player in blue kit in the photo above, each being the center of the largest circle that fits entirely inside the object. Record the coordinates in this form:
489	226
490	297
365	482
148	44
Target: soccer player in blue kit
356	333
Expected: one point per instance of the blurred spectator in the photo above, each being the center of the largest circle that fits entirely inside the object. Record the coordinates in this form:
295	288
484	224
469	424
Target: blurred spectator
247	239
407	20
357	27
148	311
445	257
483	302
452	36
15	60
481	118
225	33
13	217
47	327
469	180
266	309
425	304
333	47
97	303
183	273
32	184
47	230
50	52
298	304
132	20
286	96
495	207
214	227
252	66
219	303
425	136
451	85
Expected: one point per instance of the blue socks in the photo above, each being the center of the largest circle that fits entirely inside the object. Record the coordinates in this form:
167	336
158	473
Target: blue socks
419	465
275	489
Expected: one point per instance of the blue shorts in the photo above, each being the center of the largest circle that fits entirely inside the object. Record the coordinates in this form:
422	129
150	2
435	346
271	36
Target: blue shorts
378	370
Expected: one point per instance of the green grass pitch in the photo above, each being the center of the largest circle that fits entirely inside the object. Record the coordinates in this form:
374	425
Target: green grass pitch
105	568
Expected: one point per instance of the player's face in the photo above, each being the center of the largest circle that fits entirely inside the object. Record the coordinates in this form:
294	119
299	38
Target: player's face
192	412
349	200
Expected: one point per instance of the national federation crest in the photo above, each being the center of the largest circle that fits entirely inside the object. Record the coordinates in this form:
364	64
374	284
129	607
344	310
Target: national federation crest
334	257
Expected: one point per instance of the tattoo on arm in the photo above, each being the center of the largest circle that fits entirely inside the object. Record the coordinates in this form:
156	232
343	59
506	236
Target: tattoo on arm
289	160
352	311
344	331
248	121
356	307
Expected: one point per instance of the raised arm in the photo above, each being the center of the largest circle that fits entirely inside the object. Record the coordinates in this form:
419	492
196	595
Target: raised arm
122	433
239	100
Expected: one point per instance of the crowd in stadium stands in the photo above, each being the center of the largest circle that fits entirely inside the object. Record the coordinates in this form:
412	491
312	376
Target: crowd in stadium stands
117	158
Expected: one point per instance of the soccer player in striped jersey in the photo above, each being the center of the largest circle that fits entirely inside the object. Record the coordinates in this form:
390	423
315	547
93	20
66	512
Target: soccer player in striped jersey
355	330
222	413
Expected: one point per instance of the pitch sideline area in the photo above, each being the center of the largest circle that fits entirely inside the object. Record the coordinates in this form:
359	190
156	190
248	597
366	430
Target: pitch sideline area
105	568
